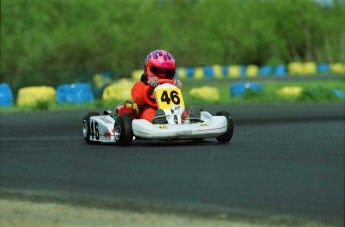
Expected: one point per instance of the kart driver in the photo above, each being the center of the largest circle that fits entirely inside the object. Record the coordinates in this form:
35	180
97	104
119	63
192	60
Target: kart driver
158	64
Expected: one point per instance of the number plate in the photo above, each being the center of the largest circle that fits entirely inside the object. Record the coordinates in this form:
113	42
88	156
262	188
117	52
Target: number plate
168	97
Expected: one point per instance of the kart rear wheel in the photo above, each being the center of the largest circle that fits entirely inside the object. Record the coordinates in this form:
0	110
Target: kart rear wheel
226	137
123	132
86	127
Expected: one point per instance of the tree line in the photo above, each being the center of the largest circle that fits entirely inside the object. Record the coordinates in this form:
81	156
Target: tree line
60	41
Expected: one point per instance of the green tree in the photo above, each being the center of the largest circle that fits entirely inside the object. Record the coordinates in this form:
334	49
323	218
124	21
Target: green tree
62	41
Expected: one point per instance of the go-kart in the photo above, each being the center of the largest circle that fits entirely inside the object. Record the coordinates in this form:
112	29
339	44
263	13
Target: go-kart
123	125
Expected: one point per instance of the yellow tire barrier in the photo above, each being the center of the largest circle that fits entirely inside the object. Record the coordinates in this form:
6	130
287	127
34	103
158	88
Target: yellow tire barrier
290	91
181	73
337	68
295	68
300	68
198	73
136	74
206	93
234	71
120	90
101	80
218	73
252	71
309	68
32	95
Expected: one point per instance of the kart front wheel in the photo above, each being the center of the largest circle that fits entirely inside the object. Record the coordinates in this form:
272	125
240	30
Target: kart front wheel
86	127
226	137
123	130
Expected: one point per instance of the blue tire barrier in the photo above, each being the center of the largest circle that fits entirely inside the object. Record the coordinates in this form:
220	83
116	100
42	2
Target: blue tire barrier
6	95
280	70
338	93
323	68
190	73
208	72
239	89
243	70
78	93
225	70
265	70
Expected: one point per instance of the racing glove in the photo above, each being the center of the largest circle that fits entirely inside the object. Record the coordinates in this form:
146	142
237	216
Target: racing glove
178	84
153	81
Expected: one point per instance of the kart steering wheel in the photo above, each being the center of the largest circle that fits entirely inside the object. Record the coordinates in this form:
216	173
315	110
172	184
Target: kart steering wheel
149	87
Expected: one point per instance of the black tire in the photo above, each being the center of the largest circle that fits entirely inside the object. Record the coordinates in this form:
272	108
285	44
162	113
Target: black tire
226	137
86	127
123	130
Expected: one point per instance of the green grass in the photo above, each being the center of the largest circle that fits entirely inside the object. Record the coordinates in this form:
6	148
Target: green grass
312	91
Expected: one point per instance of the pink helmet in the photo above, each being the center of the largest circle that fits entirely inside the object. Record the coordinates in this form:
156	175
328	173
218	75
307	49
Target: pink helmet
160	63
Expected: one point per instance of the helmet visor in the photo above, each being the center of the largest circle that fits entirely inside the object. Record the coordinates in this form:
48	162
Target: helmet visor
164	73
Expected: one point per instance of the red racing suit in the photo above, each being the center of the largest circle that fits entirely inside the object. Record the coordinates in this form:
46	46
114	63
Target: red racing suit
146	112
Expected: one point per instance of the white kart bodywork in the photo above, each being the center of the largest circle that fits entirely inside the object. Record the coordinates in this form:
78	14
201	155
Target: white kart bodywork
104	131
101	128
212	126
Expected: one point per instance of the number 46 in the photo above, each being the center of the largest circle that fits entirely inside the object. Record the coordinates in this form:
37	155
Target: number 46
173	96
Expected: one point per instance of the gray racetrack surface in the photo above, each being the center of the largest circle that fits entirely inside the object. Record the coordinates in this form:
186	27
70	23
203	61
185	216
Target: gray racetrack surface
283	161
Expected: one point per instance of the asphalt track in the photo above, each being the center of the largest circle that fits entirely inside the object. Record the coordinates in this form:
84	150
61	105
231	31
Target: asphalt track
285	160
